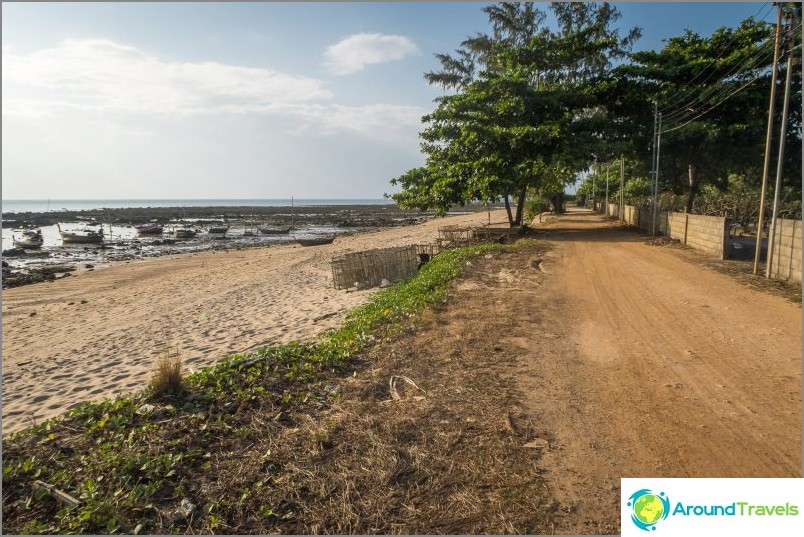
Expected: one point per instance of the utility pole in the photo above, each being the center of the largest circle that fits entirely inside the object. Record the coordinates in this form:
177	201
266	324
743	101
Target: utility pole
655	124
780	163
622	188
656	175
768	137
594	192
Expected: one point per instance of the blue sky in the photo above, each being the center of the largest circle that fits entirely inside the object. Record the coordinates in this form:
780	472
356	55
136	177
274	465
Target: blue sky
240	100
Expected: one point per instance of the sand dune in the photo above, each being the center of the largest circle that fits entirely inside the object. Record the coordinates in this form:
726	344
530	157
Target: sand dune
97	334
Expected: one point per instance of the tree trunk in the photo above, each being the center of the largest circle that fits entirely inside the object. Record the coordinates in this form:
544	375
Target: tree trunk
520	205
693	178
508	210
557	203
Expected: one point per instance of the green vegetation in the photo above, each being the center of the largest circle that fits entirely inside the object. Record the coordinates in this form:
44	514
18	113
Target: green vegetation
131	463
523	115
529	108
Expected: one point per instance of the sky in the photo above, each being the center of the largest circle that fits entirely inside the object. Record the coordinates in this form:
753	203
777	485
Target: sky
241	100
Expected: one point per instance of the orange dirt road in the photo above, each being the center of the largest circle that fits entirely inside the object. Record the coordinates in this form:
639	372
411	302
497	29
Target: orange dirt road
645	365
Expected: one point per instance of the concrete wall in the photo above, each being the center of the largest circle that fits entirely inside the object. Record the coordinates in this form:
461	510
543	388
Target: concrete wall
706	233
787	250
637	217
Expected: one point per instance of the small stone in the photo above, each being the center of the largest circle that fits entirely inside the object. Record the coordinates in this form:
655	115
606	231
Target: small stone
146	409
187	507
84	301
489	256
538	443
184	511
385	283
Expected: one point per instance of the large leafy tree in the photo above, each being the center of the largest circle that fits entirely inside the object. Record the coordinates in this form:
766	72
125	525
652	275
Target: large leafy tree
712	93
522	111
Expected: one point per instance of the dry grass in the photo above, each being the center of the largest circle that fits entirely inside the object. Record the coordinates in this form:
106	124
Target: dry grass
167	379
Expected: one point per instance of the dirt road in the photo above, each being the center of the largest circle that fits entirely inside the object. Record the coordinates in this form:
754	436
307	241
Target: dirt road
643	364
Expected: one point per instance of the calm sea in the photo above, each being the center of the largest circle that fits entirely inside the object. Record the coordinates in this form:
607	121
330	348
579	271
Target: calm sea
17	206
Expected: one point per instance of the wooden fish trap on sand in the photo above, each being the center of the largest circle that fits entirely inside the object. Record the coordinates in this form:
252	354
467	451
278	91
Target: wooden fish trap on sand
450	235
364	270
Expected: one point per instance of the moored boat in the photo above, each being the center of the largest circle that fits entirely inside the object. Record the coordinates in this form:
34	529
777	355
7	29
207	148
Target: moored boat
184	233
274	230
218	230
81	236
29	240
149	228
315	241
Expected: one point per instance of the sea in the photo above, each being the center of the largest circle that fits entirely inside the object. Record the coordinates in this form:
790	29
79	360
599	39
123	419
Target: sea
45	205
122	243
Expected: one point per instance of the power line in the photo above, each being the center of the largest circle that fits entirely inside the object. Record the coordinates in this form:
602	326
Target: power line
715	105
748	63
715	92
726	47
753	61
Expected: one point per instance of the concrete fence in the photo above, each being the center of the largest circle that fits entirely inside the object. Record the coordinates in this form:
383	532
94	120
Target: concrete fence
706	233
787	250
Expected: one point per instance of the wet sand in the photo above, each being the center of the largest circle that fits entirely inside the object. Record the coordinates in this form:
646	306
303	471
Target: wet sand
97	334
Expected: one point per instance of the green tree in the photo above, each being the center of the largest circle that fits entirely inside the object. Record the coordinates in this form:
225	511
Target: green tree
712	93
523	114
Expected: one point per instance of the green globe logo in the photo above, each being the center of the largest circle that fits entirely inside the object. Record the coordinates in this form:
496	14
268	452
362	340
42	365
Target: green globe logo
648	508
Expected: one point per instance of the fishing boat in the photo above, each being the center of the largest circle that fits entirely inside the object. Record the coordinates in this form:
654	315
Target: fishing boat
184	233
149	228
274	230
81	236
315	241
218	230
29	240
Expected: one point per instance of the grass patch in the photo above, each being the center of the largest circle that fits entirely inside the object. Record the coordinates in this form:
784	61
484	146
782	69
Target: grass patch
167	379
190	462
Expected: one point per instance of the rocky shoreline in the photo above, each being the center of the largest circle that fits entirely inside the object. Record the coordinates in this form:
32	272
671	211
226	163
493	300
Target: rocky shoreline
332	215
55	260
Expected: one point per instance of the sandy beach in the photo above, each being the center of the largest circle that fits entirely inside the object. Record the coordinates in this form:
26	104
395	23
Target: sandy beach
98	333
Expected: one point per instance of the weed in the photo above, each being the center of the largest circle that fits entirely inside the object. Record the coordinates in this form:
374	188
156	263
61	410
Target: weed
167	379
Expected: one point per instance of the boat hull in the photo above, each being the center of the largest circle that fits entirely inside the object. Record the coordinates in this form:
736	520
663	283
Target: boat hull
146	229
316	241
81	239
27	245
274	230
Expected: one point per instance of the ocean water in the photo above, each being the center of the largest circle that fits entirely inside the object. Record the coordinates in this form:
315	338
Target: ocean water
39	206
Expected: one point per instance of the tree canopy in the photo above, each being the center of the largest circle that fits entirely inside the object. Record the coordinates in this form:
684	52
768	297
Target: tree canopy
528	107
522	111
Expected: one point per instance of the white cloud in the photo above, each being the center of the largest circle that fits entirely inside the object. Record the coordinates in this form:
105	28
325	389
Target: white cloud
104	75
372	120
355	52
107	83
